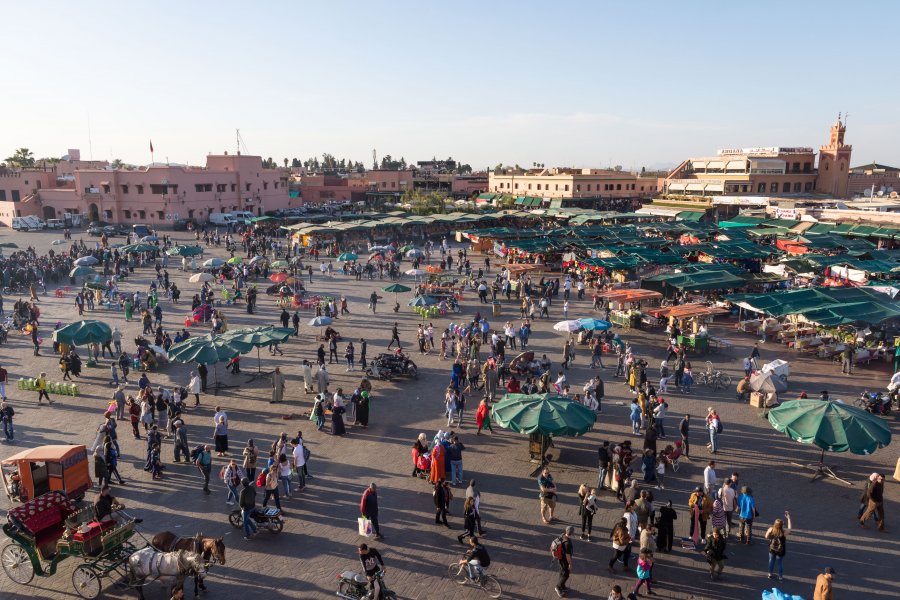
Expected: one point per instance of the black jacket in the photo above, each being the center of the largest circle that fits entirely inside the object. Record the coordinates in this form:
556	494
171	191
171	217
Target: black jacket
247	497
603	456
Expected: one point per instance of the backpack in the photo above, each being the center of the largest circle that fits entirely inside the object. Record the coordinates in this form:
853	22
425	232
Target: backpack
719	426
261	479
195	453
775	546
557	548
306	453
485	558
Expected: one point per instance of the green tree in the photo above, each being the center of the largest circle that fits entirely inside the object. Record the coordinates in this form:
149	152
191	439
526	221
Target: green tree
464	169
22	158
296	163
285	163
117	163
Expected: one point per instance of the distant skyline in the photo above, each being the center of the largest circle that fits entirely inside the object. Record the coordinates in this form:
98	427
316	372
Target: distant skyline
583	84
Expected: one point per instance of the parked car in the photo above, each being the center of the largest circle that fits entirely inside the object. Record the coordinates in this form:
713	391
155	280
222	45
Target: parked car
141	230
185	225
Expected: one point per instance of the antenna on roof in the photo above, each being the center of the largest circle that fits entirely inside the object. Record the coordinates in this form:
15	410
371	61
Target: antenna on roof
846	117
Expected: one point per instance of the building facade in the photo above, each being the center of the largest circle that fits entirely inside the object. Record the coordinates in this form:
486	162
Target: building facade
765	171
873	180
154	195
572	183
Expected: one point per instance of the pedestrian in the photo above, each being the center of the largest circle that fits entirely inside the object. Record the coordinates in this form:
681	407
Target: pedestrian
754	355
659	416
204	465
471	492
644	571
665	525
368	507
362	352
101	472
714	427
220	435
729	504
181	441
483	417
194	387
4	378
777	536
547	496
587	508
715	553
40	385
442	496
395	337
247	502
603	471
823	585
635	417
278	385
709	478
298	453
563	551
747	507
251	456
6	415
454	454
874	502
203	372
701	508
847	359
621	543
271	484
685	429
468	520
231	477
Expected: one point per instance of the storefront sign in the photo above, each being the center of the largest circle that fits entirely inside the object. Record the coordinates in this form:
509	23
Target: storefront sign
785	213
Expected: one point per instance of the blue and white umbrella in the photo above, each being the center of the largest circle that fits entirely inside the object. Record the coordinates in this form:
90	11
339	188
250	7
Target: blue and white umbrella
591	324
149	238
86	261
320	322
568	326
415	253
423	301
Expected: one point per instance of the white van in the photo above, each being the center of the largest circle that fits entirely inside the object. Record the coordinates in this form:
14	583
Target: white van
242	216
29	223
222	219
56	224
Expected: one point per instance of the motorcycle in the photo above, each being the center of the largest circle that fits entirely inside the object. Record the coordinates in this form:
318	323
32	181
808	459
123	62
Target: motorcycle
875	402
354	586
384	366
268	518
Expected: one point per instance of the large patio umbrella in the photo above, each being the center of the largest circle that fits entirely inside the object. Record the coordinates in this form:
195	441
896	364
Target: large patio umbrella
235	260
347	257
415	253
82	272
201	277
415	273
83	332
184	251
278	277
543	416
149	238
279	264
54	243
396	288
86	261
433	269
265	335
320	321
591	324
208	351
9	245
257	259
213	263
137	248
568	326
832	426
767	383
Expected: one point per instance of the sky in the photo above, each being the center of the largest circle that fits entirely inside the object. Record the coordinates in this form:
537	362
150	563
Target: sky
584	84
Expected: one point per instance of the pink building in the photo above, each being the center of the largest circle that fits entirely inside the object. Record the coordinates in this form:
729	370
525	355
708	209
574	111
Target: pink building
154	195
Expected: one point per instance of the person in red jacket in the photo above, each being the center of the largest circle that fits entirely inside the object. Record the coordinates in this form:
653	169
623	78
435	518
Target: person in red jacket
483	417
368	507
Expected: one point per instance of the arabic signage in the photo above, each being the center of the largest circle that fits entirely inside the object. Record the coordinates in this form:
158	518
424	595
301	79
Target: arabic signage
763	150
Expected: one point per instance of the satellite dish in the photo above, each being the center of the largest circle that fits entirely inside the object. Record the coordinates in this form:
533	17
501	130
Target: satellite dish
880	193
893	194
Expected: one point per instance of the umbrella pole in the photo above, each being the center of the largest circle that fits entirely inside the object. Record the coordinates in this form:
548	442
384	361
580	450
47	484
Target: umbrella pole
259	372
820	469
219	386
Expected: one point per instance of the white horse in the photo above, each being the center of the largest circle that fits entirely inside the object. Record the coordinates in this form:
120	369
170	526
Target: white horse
150	564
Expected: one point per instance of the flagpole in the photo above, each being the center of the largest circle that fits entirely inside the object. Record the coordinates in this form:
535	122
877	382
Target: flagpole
152	160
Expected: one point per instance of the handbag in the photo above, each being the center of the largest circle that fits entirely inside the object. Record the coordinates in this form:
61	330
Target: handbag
365	527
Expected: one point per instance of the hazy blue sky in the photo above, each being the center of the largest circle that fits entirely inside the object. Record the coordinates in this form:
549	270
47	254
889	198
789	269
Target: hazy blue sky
562	83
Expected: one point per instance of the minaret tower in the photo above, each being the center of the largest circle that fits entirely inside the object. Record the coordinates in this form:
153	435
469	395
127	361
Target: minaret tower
834	163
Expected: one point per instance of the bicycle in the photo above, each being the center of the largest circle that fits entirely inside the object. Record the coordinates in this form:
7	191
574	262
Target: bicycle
714	378
488	583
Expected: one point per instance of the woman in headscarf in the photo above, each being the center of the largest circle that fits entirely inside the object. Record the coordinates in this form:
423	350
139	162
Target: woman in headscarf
438	469
362	409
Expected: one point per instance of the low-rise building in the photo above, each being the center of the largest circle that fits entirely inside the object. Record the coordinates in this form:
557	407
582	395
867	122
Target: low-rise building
156	195
597	184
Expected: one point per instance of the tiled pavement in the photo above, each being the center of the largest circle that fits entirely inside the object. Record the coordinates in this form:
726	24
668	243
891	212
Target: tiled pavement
320	535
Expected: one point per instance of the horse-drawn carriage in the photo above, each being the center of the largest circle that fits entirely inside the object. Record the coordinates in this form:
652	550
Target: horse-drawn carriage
46	530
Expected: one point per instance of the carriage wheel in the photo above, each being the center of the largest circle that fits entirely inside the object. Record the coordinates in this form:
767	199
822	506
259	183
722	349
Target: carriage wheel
17	563
86	582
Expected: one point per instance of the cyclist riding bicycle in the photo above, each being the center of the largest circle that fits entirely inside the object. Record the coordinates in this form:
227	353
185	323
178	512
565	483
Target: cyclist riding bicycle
476	559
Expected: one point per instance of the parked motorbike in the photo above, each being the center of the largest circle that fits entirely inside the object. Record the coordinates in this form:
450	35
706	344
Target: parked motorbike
268	518
354	586
385	366
876	403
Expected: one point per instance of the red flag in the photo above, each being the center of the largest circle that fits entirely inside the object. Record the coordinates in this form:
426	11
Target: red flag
151	146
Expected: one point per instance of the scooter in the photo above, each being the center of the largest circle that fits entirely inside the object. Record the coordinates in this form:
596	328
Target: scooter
268	518
354	586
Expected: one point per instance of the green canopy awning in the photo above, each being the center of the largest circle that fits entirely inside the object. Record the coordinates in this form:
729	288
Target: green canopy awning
543	413
832	426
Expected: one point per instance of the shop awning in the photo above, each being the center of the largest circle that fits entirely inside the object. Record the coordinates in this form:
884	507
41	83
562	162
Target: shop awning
686	311
630	295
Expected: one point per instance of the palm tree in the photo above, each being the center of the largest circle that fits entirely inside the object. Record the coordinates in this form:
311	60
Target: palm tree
22	158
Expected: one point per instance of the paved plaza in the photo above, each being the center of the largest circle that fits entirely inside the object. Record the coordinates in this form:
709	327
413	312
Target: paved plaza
320	535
